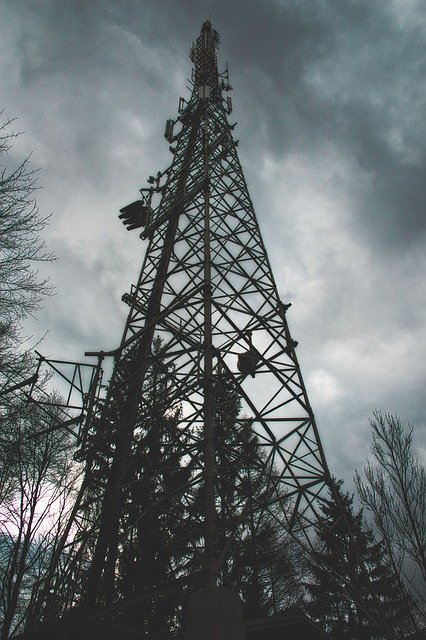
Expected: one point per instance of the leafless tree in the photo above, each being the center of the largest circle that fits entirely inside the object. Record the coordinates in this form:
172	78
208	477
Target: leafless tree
393	489
21	248
37	480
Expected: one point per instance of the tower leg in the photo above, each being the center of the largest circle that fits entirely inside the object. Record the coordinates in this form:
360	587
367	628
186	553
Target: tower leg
214	614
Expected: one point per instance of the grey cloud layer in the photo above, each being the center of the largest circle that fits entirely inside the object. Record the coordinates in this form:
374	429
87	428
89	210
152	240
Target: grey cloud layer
330	104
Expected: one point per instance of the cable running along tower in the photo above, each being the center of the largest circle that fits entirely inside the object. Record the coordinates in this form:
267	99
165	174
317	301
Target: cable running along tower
206	289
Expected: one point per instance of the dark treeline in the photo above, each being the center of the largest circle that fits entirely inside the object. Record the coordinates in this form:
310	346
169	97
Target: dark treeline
364	580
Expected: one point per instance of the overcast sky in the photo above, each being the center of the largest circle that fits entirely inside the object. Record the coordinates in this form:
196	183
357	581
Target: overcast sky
330	103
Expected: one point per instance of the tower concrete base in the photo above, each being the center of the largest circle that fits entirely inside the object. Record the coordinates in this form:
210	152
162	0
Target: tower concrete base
214	614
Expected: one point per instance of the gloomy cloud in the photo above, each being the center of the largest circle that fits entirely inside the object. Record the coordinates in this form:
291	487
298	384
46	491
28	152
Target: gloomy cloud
330	103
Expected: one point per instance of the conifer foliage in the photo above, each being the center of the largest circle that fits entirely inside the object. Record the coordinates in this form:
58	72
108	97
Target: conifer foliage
262	561
154	511
161	530
353	591
164	510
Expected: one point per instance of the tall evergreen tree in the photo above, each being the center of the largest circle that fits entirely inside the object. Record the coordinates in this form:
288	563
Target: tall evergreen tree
353	591
262	562
153	511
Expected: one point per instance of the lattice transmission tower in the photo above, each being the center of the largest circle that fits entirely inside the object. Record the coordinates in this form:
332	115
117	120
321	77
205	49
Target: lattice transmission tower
206	289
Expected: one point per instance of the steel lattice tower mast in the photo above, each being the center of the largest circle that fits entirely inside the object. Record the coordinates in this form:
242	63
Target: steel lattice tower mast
206	288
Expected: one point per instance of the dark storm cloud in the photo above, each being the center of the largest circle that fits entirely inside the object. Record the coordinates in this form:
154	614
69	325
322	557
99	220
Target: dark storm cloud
351	75
347	73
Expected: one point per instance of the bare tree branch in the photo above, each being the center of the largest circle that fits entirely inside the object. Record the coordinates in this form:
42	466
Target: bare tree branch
394	491
22	288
